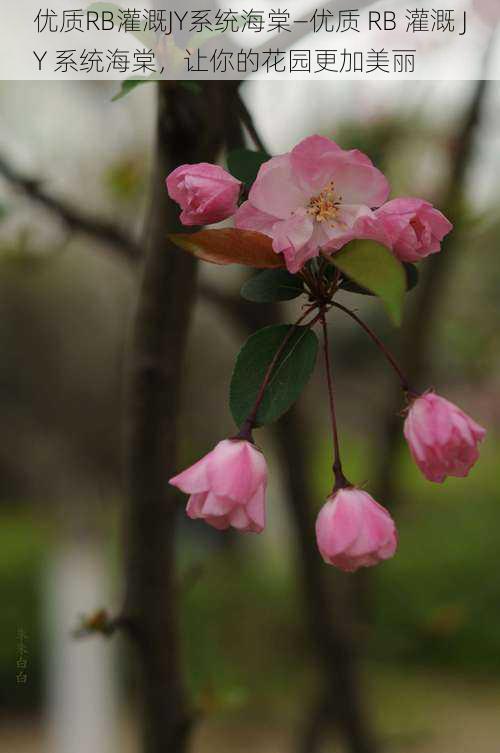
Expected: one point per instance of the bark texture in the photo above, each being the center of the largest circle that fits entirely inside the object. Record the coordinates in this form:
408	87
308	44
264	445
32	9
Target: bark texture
190	128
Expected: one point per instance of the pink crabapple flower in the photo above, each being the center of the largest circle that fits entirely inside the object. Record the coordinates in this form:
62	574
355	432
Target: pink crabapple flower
443	440
314	198
227	487
410	227
206	193
353	531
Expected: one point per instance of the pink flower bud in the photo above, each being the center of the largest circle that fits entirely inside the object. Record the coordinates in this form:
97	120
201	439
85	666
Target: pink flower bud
443	439
352	530
412	228
206	193
227	487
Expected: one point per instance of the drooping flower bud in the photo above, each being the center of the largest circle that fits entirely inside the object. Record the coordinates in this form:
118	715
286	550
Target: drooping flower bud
353	531
227	487
443	440
206	193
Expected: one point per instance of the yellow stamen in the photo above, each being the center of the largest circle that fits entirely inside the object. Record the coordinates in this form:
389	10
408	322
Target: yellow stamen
325	207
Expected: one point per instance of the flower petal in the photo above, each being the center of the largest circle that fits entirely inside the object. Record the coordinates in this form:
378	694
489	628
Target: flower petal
249	217
275	191
359	183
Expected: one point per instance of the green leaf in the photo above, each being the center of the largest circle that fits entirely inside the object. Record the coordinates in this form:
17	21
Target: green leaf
244	164
272	285
288	379
411	281
130	85
375	268
230	245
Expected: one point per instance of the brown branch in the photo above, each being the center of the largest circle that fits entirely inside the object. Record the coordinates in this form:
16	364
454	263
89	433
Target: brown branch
73	218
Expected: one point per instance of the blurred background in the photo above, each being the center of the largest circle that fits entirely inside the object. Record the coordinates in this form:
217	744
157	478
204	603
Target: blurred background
427	622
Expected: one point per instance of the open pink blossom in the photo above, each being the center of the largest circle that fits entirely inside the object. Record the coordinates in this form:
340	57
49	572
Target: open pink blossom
353	531
227	486
443	440
206	193
312	198
412	228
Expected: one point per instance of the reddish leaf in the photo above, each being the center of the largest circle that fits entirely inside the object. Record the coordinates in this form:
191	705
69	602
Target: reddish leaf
230	246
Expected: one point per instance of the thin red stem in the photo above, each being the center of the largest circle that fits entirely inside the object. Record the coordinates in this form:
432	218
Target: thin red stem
340	479
378	342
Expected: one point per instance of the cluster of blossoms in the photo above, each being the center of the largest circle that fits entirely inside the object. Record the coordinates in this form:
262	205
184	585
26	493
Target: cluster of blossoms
311	202
314	199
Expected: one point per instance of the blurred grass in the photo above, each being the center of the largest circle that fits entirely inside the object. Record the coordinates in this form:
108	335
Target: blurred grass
23	544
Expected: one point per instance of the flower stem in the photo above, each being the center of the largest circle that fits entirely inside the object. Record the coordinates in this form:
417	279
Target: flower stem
340	479
383	348
249	423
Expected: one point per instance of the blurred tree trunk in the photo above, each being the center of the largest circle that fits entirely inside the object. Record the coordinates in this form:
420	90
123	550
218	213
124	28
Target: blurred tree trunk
190	128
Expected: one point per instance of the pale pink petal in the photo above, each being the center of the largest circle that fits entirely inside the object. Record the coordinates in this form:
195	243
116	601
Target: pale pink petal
256	508
408	205
360	225
194	479
358	183
216	505
249	218
438	223
239	518
232	472
195	505
312	167
275	191
341	522
291	236
376	530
